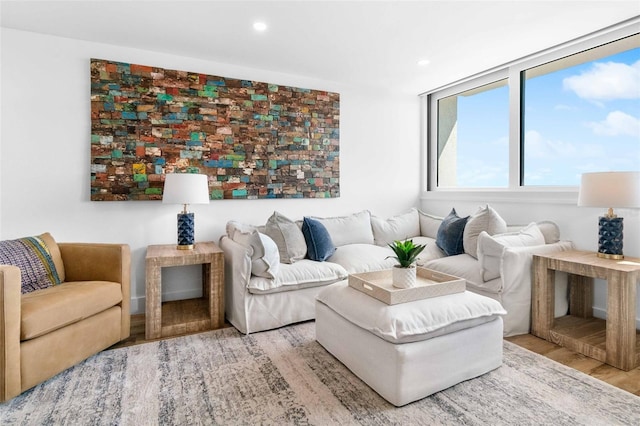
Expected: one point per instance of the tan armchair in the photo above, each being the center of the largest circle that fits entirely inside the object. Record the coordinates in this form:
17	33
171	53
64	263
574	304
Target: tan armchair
47	331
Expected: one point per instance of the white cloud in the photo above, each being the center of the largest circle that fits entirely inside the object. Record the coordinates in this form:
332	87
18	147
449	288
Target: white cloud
477	174
606	81
537	176
616	123
539	147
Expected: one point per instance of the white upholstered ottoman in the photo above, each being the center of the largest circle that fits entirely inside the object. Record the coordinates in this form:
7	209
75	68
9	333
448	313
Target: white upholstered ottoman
408	351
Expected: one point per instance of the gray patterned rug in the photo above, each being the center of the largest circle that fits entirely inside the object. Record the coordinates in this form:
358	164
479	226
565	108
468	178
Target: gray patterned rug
285	377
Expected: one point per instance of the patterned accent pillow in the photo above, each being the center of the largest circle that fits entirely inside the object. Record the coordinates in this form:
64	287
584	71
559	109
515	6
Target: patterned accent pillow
33	257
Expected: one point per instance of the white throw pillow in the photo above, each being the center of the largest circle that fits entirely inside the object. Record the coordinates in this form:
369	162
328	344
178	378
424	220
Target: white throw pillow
265	259
485	219
268	265
490	248
429	224
288	237
352	229
400	227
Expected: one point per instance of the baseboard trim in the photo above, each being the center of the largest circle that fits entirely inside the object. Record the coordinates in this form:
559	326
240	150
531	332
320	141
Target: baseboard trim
138	303
602	314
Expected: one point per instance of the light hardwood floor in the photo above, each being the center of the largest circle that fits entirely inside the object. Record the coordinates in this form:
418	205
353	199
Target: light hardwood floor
626	380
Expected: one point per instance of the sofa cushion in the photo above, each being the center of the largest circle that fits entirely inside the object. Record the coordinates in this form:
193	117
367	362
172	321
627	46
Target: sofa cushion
33	255
319	243
357	258
485	219
429	224
400	227
302	274
549	229
410	322
287	236
431	250
265	257
490	248
450	234
46	310
462	266
352	229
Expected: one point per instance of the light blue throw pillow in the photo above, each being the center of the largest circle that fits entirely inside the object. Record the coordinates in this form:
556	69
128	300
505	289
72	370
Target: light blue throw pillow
320	247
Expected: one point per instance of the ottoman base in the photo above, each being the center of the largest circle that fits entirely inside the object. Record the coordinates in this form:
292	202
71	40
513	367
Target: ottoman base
403	373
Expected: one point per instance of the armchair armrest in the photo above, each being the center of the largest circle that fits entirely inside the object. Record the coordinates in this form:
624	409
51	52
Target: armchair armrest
10	296
101	262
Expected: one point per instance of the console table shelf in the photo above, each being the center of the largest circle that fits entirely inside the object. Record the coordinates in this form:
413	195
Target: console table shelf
185	316
586	336
614	341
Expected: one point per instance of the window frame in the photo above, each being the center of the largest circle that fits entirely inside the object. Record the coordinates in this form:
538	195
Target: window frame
513	72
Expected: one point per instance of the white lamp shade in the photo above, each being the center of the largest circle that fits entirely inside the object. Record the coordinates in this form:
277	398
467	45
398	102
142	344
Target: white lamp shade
610	189
185	188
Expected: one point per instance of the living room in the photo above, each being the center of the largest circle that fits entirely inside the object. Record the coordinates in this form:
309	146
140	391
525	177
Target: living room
45	76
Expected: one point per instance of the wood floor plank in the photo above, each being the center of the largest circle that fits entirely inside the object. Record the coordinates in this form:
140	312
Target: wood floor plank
626	380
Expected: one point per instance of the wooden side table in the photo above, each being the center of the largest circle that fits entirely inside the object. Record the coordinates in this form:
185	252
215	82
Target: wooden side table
614	341
184	316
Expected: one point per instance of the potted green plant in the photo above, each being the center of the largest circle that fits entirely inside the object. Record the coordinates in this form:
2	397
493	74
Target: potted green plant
406	253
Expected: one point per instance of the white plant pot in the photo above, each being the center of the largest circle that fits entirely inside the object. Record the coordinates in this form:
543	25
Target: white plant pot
403	277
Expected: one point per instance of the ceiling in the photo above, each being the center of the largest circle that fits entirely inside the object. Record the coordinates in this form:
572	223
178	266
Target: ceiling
375	44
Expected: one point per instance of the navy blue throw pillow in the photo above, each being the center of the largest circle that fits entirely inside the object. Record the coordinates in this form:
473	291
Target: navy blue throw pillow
319	244
449	236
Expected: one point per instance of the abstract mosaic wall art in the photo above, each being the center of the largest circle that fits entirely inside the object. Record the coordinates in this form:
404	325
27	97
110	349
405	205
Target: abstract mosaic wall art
254	140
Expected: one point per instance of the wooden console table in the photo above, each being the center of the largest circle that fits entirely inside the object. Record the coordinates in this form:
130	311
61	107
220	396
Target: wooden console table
184	316
614	341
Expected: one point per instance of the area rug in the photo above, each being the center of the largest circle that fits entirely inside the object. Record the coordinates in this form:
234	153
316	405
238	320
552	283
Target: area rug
284	377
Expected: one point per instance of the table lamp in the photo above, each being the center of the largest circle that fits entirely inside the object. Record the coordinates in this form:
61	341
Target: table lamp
185	189
610	189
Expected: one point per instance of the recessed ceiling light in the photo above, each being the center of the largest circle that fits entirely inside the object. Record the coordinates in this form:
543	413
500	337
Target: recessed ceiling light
423	62
259	26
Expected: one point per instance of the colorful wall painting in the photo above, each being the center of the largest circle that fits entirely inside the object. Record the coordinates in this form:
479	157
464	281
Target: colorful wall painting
254	140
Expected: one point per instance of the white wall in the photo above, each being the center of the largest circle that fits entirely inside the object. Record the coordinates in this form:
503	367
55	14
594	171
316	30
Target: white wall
577	224
45	155
45	147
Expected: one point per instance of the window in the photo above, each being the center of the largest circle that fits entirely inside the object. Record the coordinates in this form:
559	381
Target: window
541	121
582	114
473	130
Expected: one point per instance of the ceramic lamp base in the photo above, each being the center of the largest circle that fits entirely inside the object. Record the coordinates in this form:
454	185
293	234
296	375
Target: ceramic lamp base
186	231
610	238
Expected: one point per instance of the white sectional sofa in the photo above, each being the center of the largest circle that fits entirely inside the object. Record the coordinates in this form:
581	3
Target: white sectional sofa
270	282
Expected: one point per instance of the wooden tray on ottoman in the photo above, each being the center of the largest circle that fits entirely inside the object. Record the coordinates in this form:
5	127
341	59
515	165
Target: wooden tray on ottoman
429	283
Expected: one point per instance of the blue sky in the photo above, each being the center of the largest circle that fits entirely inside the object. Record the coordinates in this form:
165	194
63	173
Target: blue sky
580	119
